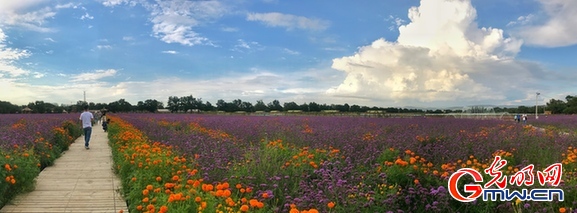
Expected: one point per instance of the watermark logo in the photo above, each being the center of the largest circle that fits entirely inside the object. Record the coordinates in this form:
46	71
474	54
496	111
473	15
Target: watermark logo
550	177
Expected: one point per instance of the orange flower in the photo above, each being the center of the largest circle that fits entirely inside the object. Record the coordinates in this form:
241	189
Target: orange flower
149	187
158	179
150	207
294	210
253	202
562	210
313	211
331	205
265	195
163	209
416	181
197	199
227	193
145	192
244	208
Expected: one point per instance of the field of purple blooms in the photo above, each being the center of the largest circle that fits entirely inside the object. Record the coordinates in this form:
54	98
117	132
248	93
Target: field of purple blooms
361	164
564	123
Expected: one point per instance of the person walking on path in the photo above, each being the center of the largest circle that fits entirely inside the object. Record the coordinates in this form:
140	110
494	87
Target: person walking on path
86	119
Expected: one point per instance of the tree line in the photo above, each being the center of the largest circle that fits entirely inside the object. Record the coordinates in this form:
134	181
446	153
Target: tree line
192	104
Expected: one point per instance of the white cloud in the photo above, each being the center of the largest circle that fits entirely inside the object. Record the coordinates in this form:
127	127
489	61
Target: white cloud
8	56
20	13
288	21
170	52
127	38
50	39
229	29
395	21
292	52
100	47
112	3
243	46
560	28
522	20
174	20
86	16
300	86
66	6
440	57
38	75
93	76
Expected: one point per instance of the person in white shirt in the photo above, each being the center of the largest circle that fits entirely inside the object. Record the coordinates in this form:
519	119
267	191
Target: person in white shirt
86	119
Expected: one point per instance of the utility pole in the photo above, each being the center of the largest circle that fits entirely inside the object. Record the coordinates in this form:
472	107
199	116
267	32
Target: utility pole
536	105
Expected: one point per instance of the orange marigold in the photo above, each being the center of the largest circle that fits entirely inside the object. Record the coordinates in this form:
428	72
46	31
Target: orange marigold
244	208
331	205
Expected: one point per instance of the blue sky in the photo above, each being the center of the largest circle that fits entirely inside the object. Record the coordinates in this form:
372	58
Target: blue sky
429	53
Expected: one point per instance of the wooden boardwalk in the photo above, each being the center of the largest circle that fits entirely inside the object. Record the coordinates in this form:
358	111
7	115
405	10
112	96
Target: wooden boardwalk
80	181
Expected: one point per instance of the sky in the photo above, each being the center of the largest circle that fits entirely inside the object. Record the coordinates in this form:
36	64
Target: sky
387	53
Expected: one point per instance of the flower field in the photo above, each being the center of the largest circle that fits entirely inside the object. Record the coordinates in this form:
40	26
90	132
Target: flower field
28	144
560	123
210	163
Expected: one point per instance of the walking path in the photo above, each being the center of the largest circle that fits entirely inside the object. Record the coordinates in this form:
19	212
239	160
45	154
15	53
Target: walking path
80	181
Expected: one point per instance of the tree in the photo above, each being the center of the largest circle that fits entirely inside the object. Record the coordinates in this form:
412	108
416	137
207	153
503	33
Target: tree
275	105
236	105
7	107
571	105
556	106
173	103
188	103
291	106
247	106
150	105
314	107
260	106
355	108
208	107
304	107
221	105
120	106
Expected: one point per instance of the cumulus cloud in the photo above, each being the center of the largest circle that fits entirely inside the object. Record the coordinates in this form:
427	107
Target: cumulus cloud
8	56
288	21
93	76
440	56
560	27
